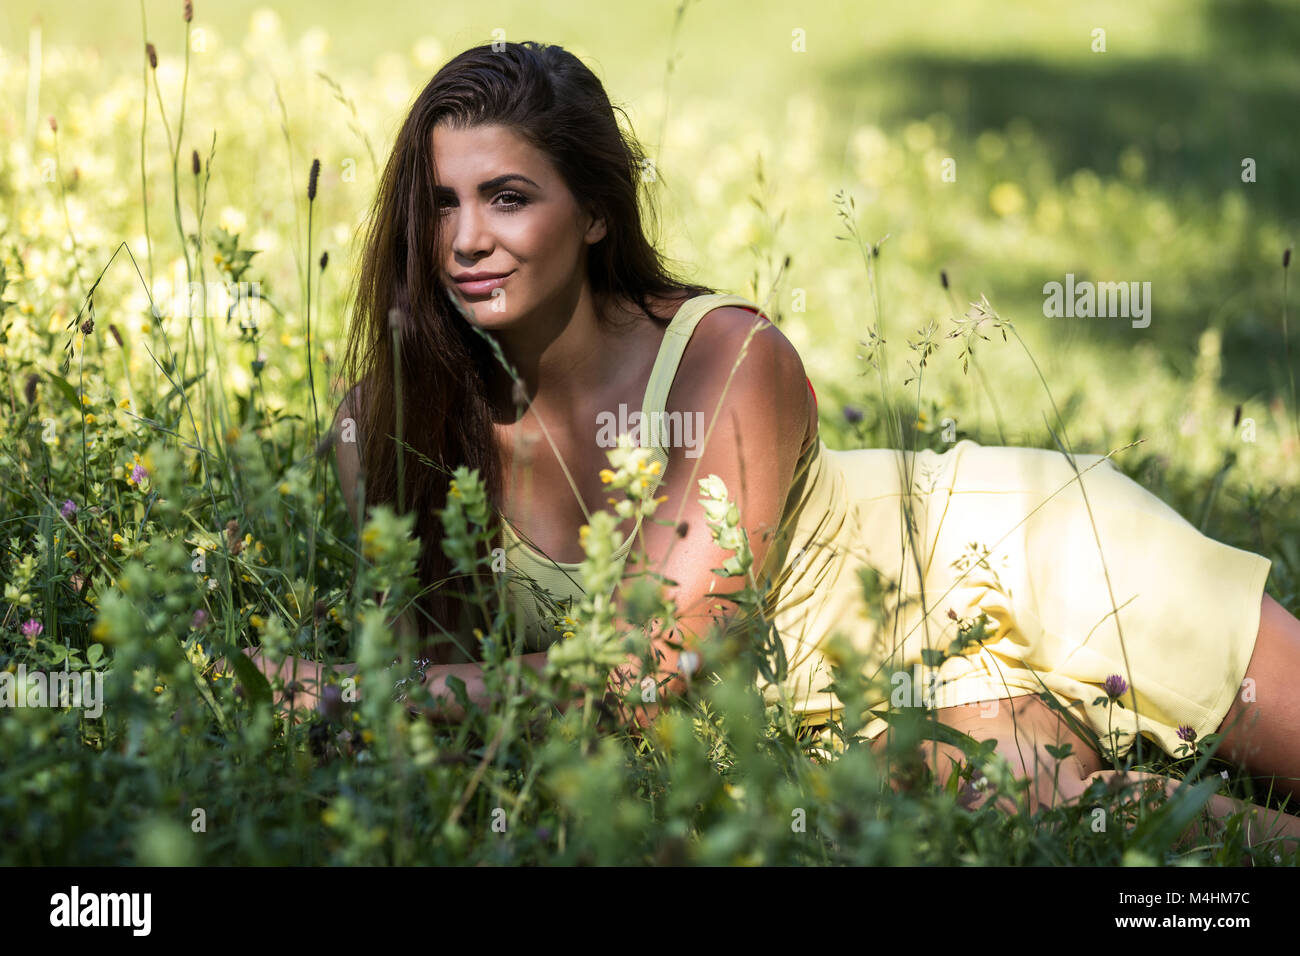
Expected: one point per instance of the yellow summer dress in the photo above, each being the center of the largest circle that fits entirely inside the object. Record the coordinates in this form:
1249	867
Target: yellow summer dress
1000	530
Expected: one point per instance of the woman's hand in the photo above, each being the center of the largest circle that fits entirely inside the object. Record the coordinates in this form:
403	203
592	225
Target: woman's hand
295	682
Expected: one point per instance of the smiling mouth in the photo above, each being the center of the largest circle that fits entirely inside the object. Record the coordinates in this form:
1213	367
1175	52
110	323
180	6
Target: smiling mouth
480	287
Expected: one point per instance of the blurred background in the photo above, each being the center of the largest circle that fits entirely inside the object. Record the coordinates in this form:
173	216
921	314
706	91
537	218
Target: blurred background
1114	156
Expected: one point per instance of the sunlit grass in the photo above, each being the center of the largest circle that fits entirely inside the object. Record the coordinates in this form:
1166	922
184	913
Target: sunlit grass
202	520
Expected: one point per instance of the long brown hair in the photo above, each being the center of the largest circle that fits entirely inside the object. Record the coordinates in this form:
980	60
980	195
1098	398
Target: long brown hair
548	97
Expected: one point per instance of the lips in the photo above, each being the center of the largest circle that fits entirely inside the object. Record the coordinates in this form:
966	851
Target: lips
481	286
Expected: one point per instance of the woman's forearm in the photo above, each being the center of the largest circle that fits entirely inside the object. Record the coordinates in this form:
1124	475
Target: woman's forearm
445	707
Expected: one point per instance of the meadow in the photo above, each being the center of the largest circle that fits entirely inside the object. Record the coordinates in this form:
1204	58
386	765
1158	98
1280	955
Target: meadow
896	187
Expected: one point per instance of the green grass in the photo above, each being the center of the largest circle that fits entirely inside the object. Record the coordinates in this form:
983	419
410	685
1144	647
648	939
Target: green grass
1117	166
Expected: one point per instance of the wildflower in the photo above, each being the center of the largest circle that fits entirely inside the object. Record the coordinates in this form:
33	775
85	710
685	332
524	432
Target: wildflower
1006	199
138	475
852	414
90	418
1115	686
257	621
233	544
1185	732
31	629
69	508
199	620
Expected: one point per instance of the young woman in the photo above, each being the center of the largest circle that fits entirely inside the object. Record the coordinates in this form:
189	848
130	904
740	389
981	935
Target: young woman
510	204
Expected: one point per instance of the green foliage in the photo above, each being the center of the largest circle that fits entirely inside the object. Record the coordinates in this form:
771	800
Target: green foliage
165	506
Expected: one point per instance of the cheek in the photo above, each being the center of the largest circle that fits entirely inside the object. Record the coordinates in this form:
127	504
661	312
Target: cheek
539	235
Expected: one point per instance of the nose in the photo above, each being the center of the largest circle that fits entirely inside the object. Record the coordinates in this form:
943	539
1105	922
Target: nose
471	238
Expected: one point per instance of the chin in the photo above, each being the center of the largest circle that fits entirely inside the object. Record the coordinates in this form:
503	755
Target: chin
480	308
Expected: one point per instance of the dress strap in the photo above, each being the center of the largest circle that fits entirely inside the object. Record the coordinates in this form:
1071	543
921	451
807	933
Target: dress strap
676	336
671	349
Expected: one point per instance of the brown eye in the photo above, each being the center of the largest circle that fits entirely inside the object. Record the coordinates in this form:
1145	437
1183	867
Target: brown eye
517	202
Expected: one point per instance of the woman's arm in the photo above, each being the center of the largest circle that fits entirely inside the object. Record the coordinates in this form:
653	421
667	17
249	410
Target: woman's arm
743	381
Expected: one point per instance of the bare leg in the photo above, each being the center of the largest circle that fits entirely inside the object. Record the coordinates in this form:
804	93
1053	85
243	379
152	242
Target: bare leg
1023	726
1261	824
1263	735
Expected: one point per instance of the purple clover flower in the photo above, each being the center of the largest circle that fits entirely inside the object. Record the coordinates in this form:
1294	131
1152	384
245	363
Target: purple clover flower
138	474
32	629
1115	686
1185	732
69	508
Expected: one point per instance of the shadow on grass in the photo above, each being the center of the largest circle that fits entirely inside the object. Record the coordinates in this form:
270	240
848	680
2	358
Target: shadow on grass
1193	119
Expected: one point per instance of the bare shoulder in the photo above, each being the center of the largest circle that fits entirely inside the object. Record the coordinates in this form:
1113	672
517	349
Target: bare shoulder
749	358
723	332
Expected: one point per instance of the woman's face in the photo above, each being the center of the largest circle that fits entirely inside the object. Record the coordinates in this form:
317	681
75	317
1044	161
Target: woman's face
506	211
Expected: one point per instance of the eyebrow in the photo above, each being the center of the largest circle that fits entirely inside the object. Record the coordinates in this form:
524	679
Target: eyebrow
490	184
